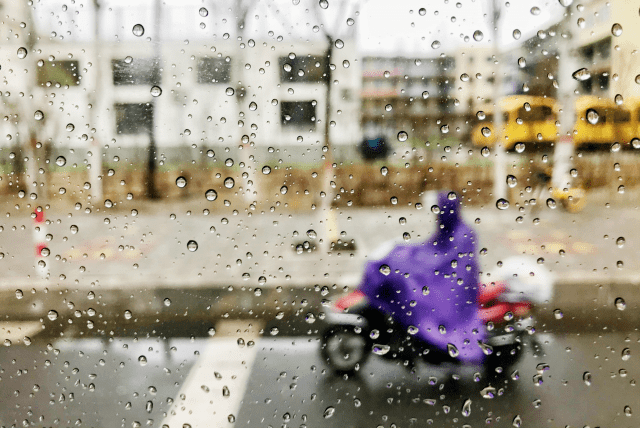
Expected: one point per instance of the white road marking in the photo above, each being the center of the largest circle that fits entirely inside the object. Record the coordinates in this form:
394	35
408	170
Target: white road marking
205	404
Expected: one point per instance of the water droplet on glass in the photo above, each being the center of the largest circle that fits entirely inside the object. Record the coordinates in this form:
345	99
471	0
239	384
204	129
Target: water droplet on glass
128	315
565	3
627	411
502	204
181	182
142	360
535	11
61	161
52	315
229	182
551	203
517	34
38	115
138	30
517	421
616	30
512	181
522	62
225	391
486	132
478	36
22	53
592	116
385	270
284	190
156	91
192	245
384	170
488	392
586	377
422	11
312	234
19	294
435	44
328	412
381	349
203	12
626	354
230	91
339	44
557	313
466	408
211	195
324	4
453	351
621	305
581	74
402	136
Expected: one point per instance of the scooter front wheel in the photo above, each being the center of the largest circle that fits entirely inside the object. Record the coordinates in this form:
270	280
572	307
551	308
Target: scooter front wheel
344	349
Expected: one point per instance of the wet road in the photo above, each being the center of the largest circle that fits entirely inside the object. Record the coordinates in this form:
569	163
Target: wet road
281	381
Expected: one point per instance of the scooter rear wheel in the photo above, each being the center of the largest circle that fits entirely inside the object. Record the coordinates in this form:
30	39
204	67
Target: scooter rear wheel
344	349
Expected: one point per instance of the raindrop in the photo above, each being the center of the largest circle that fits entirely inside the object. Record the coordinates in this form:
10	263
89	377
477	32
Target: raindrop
181	182
52	315
535	11
520	147
627	411
339	44
142	360
488	392
478	36
22	53
61	161
381	349
619	100
453	351
167	301
620	242
638	79
551	203
586	377
581	74
621	305
486	132
328	412
517	34
402	136
284	190
38	115
626	354
230	91
312	234
616	30
70	127
557	313
385	270
128	315
412	330
592	116
266	170
485	152
517	421
384	170
19	294
138	30
502	204
422	11
211	195
149	406
466	408
512	181
565	3
522	63
192	245
229	182
203	12
156	91
435	44
225	391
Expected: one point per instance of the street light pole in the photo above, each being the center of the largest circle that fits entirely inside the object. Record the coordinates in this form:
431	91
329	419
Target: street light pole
499	162
156	78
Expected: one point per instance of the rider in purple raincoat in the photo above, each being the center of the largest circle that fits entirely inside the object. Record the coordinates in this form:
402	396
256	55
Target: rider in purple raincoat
442	280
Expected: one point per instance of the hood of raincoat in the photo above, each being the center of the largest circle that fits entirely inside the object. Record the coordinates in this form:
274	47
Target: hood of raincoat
433	285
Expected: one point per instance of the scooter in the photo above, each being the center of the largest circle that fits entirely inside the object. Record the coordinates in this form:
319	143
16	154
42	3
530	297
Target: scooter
439	316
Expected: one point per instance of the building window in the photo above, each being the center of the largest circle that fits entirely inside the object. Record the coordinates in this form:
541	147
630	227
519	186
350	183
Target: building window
303	69
214	70
298	114
134	119
135	72
63	73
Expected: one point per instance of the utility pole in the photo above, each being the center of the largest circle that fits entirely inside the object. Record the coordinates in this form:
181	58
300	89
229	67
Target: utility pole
156	80
564	147
499	159
95	99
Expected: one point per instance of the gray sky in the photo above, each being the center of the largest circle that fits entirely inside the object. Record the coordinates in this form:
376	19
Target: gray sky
381	26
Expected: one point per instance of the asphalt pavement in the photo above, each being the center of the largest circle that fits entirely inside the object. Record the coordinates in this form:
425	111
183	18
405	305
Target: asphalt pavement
236	378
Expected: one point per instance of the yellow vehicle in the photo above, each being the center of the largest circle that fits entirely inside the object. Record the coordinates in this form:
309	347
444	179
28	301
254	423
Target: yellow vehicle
600	122
629	129
527	119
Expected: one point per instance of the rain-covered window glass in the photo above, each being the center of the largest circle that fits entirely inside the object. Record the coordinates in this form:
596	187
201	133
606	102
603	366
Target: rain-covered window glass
58	73
141	71
133	118
298	114
303	68
214	70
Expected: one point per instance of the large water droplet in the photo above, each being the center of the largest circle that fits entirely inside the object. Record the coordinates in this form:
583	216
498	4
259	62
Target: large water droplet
627	411
486	132
203	12
616	30
592	116
586	377
142	360
512	181
466	408
328	412
211	195
478	36
385	270
488	392
517	34
535	10
192	245
22	53
52	315
502	204
138	30
266	170
453	351
435	44
230	91
128	315
38	115
402	136
61	161
626	354
229	182
621	305
517	421
581	74
181	182
156	91
380	349
620	242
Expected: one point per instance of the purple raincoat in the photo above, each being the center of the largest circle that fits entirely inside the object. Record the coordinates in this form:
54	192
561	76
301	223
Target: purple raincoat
443	281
